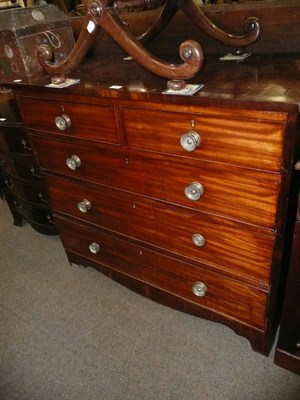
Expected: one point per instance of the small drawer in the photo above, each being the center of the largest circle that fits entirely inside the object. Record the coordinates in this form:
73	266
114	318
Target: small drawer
226	297
95	122
243	141
233	247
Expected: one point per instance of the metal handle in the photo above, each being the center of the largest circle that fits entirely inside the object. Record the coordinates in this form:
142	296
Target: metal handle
42	199
73	162
190	141
198	240
9	184
199	289
84	206
194	191
34	173
49	219
63	122
24	143
94	248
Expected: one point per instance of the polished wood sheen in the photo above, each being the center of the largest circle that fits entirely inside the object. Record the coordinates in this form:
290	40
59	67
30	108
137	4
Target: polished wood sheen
150	175
167	273
124	210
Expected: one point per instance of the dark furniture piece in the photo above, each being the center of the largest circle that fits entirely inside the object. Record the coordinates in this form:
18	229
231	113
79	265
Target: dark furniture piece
184	199
20	179
287	353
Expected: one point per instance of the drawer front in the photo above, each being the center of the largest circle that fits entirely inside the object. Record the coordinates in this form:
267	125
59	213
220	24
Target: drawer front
224	296
232	192
229	248
88	121
6	164
32	212
241	141
15	140
26	168
30	192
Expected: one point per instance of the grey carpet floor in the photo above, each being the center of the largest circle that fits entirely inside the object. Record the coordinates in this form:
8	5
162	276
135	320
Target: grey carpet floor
71	333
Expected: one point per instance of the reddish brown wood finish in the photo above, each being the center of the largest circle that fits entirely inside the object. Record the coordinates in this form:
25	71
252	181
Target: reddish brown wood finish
154	176
135	176
233	248
226	297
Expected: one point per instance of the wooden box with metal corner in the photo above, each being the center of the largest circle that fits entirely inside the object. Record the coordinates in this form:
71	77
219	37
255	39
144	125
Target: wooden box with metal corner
22	31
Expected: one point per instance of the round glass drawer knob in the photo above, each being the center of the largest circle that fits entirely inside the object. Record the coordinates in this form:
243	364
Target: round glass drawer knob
73	162
94	248
198	240
63	122
84	206
190	141
199	289
194	191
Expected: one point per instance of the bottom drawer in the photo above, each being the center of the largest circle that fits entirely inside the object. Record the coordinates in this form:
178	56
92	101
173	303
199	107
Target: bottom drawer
222	295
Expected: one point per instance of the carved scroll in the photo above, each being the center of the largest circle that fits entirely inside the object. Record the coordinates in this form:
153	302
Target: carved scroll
104	14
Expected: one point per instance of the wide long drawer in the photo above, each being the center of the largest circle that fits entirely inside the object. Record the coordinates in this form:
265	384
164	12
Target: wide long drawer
233	248
232	192
250	142
223	296
96	122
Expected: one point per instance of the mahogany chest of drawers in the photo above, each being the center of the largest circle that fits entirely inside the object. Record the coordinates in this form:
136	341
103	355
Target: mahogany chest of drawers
21	184
186	200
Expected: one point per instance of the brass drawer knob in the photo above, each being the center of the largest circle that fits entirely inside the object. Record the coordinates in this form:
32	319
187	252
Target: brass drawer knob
63	122
190	141
84	206
194	191
198	240
199	289
94	248
73	162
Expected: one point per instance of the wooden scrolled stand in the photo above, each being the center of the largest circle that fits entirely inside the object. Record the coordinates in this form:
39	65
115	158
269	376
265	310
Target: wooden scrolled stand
104	14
